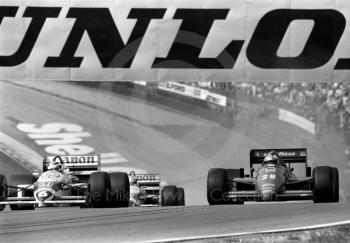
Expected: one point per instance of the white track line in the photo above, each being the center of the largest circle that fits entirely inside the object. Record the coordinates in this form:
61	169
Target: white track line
310	227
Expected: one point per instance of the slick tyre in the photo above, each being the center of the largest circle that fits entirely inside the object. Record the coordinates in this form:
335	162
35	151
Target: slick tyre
3	190
120	189
169	196
335	184
20	180
99	187
216	186
180	196
324	186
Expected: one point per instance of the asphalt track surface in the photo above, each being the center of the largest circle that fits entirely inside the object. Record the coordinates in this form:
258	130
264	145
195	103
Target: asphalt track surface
9	166
180	147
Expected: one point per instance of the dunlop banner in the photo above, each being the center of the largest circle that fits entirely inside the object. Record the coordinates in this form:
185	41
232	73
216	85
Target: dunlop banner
175	40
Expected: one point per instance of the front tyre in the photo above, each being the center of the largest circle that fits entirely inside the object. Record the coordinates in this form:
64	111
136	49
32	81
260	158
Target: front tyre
216	185
3	190
326	184
169	196
335	184
180	196
99	187
21	181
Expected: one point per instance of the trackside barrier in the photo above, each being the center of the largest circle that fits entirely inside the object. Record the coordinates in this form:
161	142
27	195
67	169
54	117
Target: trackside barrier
194	92
204	108
191	100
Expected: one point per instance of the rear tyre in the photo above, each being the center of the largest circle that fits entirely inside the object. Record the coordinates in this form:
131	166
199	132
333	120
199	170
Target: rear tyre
15	181
3	191
335	184
324	186
169	196
120	189
216	186
180	196
98	189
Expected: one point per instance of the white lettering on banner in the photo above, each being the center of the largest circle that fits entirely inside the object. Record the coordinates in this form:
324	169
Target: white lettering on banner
175	40
197	92
176	88
63	143
193	92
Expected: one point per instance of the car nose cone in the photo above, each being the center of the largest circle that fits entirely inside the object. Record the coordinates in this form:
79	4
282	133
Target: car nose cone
268	196
43	195
268	192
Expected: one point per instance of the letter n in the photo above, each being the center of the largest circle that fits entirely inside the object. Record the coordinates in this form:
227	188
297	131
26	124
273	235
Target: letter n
105	37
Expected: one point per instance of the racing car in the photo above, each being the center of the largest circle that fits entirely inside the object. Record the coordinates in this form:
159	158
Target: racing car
150	192
91	187
270	181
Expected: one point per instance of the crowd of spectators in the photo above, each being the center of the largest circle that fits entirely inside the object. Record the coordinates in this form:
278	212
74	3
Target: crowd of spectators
327	104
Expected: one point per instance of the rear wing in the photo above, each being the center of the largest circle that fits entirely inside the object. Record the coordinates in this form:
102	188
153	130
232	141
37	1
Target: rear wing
149	182
148	179
298	155
76	164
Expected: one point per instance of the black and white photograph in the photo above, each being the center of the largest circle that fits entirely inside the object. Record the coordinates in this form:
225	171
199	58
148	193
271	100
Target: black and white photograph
174	121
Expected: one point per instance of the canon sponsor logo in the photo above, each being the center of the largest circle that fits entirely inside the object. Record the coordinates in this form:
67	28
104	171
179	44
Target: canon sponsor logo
86	159
113	51
148	177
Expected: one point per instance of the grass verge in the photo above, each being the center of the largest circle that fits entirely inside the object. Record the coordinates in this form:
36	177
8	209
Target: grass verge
323	235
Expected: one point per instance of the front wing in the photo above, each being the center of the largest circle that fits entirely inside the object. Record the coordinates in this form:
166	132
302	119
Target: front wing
31	200
254	196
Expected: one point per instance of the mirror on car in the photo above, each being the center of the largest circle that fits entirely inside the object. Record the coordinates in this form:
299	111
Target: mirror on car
36	174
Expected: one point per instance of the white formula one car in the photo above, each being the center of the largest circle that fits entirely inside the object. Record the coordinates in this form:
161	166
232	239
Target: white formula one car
87	188
147	192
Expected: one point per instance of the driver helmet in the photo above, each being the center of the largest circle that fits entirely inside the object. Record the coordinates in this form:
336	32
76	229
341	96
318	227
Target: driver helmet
271	158
132	178
55	165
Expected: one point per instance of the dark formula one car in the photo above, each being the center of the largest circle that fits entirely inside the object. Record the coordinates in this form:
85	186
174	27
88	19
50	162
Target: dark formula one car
87	187
152	194
274	181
